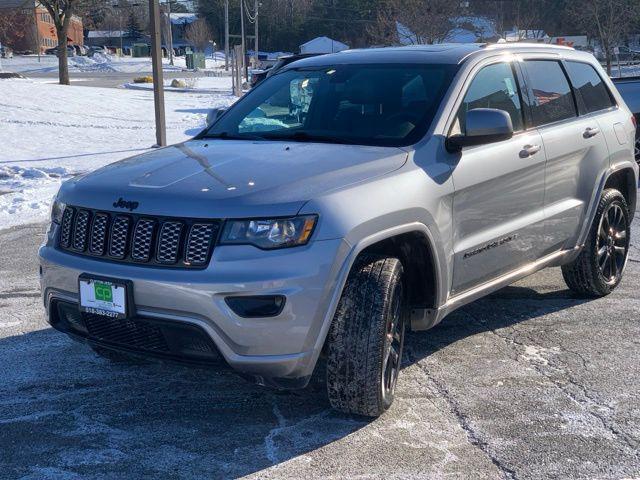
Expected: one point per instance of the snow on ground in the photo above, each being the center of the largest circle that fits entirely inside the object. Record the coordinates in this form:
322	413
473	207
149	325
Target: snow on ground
99	62
49	133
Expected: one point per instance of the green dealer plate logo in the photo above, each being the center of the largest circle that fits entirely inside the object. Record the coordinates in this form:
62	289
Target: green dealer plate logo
103	292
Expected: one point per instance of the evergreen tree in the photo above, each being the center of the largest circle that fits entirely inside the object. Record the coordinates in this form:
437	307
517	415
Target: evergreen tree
134	31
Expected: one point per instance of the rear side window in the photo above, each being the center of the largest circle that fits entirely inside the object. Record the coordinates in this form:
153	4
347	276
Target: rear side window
593	94
553	100
494	86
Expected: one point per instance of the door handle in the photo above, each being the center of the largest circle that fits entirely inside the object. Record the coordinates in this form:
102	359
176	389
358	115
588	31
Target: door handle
529	150
591	132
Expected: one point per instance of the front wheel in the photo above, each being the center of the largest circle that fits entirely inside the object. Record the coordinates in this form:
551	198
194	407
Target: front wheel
598	269
366	337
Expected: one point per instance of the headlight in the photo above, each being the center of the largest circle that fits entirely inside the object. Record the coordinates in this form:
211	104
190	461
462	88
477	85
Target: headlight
269	233
57	209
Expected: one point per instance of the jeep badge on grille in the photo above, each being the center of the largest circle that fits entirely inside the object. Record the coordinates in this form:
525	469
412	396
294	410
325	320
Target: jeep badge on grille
121	203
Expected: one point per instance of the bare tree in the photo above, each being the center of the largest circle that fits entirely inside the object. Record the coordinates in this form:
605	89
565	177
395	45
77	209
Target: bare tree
608	21
198	34
61	12
529	19
415	21
8	28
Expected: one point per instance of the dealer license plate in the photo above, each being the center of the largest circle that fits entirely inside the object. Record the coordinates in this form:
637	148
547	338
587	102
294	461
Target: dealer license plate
103	297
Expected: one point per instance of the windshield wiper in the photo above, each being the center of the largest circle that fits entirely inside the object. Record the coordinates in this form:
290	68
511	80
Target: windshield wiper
228	136
308	137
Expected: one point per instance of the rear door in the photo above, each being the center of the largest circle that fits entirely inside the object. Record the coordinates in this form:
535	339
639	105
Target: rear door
499	188
575	148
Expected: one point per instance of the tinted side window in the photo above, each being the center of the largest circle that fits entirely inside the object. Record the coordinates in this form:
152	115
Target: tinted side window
553	100
494	86
593	94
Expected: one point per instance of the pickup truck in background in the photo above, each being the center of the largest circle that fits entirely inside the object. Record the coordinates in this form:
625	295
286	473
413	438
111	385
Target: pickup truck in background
629	88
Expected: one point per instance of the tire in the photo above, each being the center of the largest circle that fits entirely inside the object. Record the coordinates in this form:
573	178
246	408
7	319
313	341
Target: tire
598	269
365	341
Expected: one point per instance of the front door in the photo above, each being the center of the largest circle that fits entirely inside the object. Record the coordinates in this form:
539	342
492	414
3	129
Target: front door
498	202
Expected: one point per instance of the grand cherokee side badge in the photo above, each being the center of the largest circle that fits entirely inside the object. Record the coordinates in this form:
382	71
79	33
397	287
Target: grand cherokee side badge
121	203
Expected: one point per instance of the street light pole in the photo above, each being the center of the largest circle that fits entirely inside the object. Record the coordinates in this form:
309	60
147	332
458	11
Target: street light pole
158	84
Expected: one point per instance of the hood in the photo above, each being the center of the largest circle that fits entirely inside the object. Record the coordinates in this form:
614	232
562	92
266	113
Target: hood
229	178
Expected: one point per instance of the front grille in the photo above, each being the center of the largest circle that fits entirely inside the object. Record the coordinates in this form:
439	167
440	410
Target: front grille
140	239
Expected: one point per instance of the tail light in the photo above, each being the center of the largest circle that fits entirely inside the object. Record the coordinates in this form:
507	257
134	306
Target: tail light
634	121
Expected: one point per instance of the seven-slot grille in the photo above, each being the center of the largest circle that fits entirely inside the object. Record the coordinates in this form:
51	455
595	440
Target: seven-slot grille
169	242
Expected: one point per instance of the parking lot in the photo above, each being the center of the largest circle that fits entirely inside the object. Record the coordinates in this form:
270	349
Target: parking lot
528	383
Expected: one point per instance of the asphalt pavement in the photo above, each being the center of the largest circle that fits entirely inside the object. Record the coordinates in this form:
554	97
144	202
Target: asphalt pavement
107	79
531	382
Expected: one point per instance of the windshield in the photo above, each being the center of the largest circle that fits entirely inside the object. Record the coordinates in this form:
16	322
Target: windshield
391	105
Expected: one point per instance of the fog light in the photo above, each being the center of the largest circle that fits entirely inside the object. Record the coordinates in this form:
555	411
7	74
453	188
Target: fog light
256	306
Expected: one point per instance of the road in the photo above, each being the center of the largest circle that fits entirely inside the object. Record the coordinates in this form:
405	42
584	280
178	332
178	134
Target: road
529	383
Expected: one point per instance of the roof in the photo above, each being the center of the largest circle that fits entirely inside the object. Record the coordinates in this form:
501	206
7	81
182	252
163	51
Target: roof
106	33
322	40
453	53
182	18
17	3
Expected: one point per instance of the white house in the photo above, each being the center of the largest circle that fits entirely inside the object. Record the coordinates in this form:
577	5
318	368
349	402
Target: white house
323	45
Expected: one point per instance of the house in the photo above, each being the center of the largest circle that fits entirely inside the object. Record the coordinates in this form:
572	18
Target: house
31	28
323	45
106	38
114	39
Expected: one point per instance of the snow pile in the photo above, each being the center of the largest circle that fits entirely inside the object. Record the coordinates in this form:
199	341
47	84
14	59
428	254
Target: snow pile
50	133
27	203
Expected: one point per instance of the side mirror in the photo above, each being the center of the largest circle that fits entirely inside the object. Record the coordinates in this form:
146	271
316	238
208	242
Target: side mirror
482	125
214	114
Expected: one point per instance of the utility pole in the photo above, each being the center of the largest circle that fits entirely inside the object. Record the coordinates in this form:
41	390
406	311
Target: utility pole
244	51
226	35
158	84
257	5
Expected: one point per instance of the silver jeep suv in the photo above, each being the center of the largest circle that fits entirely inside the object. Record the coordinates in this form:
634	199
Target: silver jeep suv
344	199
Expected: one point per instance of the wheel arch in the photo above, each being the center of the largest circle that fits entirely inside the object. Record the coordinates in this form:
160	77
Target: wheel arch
622	176
401	241
625	181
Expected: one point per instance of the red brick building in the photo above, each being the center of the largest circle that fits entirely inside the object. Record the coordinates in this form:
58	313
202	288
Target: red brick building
27	25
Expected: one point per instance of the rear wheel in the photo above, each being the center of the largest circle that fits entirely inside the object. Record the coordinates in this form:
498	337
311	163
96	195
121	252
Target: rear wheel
366	338
598	269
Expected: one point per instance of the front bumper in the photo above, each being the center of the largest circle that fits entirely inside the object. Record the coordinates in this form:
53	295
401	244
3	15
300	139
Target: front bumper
274	350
